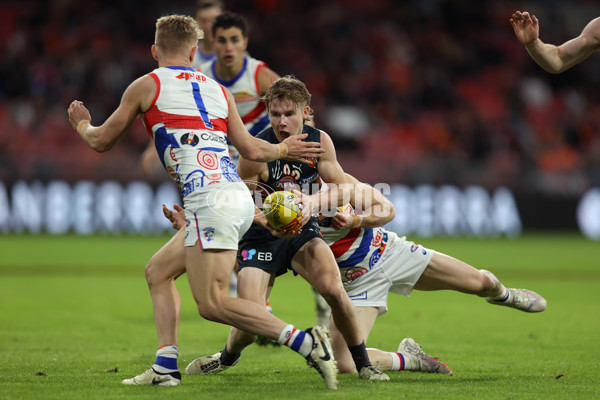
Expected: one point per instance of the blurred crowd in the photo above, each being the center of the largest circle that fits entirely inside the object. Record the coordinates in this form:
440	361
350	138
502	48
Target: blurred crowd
421	91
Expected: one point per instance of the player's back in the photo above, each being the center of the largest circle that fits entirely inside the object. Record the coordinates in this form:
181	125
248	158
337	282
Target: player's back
188	121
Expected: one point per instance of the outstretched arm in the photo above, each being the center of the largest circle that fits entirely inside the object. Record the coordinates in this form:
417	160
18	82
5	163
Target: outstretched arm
136	99
555	59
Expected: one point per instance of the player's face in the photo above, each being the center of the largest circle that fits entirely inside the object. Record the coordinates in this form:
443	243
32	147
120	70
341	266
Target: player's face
230	46
206	19
287	118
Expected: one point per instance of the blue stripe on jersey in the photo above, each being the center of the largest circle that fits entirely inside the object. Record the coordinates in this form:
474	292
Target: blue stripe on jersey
363	249
200	105
166	362
162	140
298	341
260	125
215	149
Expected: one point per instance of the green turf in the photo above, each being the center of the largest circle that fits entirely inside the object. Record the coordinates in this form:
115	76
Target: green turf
74	309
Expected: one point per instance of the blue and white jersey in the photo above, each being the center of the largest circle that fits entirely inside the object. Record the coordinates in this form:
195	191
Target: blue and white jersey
357	251
246	92
201	58
188	121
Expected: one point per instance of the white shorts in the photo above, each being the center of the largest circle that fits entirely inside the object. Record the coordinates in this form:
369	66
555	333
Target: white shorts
218	215
399	269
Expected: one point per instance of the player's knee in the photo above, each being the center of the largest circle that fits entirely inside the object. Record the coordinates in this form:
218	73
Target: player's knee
333	293
211	312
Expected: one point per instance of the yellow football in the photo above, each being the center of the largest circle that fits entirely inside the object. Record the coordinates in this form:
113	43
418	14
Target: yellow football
281	210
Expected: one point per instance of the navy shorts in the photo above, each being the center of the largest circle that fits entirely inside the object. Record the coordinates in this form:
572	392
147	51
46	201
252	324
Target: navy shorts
259	249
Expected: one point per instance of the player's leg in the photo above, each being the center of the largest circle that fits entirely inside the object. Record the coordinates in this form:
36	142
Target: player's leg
315	263
322	308
208	274
366	318
448	273
164	267
254	285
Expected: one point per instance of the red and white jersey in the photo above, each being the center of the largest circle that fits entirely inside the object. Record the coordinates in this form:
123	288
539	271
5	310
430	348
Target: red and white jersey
246	93
188	121
357	251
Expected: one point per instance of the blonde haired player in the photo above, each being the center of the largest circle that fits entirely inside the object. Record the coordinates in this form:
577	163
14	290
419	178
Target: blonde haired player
190	116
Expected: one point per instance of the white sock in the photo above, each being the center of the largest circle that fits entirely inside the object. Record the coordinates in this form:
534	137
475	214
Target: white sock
504	297
166	359
296	340
398	362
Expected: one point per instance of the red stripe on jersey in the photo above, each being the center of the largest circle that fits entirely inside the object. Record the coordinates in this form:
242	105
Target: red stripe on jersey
225	94
152	105
254	114
341	246
258	68
175	121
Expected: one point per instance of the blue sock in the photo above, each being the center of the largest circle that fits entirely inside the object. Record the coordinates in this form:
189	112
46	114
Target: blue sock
166	360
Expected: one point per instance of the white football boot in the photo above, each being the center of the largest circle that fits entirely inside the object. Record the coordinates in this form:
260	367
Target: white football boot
151	377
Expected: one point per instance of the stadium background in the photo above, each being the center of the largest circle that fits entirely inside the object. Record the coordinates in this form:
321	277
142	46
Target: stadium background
415	93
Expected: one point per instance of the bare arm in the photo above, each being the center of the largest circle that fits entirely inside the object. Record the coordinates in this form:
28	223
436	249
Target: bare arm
555	59
251	148
266	77
102	138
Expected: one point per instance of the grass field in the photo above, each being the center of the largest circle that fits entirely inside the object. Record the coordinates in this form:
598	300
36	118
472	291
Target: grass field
76	319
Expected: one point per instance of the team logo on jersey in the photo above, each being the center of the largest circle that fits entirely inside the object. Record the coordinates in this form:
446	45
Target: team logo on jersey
247	254
189	139
172	154
209	233
355	273
229	171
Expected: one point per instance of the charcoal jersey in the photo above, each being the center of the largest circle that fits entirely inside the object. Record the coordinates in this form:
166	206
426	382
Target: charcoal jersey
188	122
287	175
246	93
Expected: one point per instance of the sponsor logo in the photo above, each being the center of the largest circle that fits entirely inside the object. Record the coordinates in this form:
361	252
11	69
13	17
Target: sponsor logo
209	233
374	258
325	357
189	139
355	273
247	254
156	381
378	239
191	75
213	137
414	248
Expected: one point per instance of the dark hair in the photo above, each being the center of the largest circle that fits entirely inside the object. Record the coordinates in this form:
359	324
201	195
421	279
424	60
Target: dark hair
204	4
228	20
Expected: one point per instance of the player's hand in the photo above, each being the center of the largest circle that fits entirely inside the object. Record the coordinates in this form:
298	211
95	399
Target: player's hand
300	151
341	221
77	113
526	27
176	217
308	204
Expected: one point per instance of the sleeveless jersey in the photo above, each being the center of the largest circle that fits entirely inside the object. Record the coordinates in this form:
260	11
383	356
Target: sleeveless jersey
287	175
188	121
201	58
357	251
245	90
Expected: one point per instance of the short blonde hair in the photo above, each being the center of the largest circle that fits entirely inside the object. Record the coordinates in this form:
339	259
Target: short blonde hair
176	33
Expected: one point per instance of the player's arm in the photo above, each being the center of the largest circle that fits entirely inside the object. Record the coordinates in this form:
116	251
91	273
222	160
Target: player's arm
266	77
374	209
137	98
149	160
254	149
555	59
